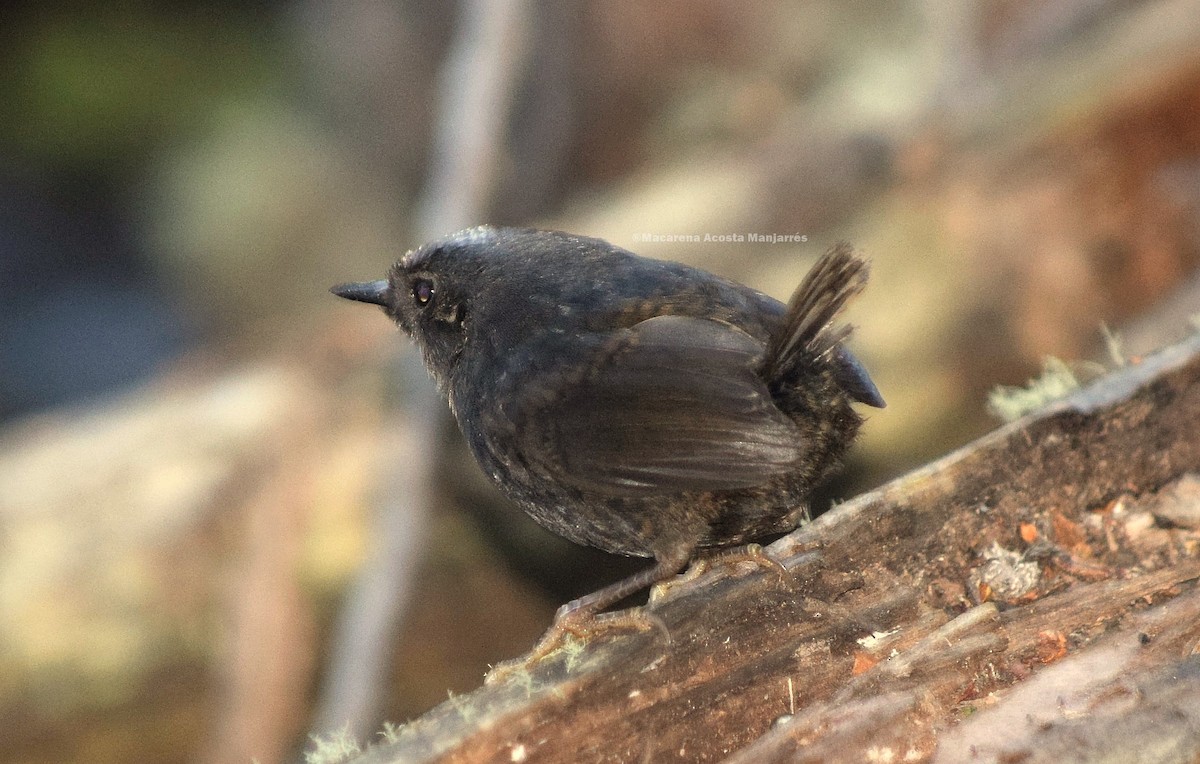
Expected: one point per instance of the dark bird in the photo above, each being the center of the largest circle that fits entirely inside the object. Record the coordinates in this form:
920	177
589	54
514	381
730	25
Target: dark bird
640	406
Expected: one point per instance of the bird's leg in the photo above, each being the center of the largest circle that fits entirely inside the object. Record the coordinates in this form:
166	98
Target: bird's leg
591	604
746	553
750	553
582	618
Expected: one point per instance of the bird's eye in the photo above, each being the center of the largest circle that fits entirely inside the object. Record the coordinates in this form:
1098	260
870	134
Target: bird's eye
422	291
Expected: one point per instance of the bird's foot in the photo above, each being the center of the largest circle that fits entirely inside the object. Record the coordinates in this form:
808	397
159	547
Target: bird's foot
572	630
753	553
665	589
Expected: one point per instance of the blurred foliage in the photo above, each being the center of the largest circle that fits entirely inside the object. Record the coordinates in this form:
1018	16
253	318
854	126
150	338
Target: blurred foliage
102	84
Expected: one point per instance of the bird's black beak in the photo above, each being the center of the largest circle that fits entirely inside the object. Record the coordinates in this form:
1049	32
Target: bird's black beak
374	292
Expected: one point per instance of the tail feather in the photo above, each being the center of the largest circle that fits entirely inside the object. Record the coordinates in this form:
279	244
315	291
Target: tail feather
809	333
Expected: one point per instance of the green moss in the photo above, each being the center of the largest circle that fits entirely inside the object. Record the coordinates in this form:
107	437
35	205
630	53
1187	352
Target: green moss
391	732
1056	382
332	748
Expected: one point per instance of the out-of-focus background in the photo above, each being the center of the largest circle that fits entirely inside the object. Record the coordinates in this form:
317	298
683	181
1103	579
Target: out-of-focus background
232	512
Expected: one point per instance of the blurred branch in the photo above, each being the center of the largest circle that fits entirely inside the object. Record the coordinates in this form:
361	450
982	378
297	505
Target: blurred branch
364	640
478	82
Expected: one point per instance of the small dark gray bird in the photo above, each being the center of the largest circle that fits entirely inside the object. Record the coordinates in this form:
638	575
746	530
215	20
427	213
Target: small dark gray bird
640	406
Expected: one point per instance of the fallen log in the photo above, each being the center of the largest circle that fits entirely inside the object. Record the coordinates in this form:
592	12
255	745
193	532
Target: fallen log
1032	596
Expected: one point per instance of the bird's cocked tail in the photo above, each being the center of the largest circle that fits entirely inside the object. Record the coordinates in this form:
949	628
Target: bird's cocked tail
810	336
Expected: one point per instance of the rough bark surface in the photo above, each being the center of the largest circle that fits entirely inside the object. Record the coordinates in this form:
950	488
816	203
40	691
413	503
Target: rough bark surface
1030	597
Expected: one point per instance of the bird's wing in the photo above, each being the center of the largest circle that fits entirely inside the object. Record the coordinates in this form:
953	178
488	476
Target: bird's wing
672	404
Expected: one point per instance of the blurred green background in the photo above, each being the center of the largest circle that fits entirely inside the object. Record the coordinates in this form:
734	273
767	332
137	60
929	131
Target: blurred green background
230	512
